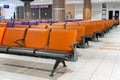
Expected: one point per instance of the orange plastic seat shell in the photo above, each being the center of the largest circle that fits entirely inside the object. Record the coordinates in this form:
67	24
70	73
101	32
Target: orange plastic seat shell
36	38
56	27
2	31
43	25
60	40
80	33
3	24
21	26
59	24
12	34
39	26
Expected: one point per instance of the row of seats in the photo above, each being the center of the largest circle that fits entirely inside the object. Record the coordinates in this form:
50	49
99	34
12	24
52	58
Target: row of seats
80	29
45	43
24	22
87	30
91	29
40	21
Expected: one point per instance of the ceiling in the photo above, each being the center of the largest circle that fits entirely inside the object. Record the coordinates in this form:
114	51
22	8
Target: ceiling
18	2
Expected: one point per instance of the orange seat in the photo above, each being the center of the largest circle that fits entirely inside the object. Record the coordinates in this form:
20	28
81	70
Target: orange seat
21	26
60	40
3	24
3	21
43	24
89	28
36	38
39	26
59	24
2	31
56	27
72	23
12	34
80	33
99	26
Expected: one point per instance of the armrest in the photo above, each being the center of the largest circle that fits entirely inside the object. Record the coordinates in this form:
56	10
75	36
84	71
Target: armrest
18	42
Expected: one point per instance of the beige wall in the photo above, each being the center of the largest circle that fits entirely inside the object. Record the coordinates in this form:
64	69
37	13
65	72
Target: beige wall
70	8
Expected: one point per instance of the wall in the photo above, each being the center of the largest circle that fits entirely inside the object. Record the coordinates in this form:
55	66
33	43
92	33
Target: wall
70	11
96	11
76	10
79	11
113	6
8	12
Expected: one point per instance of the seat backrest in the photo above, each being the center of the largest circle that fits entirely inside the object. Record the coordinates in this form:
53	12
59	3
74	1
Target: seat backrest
99	26
12	34
2	31
3	21
89	28
44	24
38	26
72	23
3	24
80	33
56	27
36	38
21	26
59	24
61	40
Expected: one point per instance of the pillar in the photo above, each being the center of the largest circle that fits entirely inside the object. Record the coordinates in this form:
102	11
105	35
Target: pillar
59	10
87	11
27	8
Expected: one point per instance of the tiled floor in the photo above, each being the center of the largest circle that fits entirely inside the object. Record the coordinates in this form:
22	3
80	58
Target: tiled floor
101	61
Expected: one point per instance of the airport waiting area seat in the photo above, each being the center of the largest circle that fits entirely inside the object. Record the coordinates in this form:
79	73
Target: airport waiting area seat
56	27
3	24
11	34
2	31
81	40
59	45
21	26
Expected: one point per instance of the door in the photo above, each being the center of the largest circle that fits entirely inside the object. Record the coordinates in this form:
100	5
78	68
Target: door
110	14
46	13
35	13
116	14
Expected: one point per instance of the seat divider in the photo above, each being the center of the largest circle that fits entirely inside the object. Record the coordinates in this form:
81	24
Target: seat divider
48	40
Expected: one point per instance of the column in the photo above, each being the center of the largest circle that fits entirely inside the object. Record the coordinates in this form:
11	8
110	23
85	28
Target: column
27	8
87	11
59	10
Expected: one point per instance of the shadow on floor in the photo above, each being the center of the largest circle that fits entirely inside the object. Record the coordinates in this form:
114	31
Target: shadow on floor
29	68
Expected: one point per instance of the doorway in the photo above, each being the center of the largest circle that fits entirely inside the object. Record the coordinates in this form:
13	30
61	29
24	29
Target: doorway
35	13
46	13
116	14
110	15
